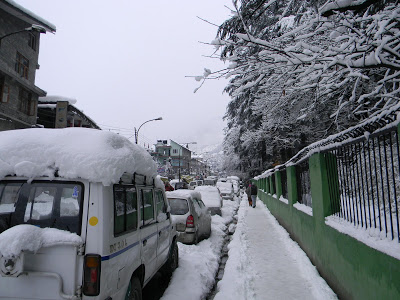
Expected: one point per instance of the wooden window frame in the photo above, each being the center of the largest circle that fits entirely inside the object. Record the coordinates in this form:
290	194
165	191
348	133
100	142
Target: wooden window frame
32	41
22	65
3	87
30	107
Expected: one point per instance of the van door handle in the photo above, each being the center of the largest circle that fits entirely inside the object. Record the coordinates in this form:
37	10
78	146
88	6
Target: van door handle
144	242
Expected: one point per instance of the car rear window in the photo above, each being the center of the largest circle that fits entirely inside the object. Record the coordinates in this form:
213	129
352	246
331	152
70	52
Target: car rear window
41	203
178	206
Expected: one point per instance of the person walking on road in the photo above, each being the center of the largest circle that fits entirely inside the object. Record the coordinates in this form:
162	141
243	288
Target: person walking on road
253	193
248	192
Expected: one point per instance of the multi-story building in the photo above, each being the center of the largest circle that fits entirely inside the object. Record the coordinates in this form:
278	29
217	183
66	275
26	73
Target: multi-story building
180	158
19	51
172	159
162	156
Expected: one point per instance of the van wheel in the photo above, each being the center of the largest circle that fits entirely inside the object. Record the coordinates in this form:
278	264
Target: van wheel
134	291
172	262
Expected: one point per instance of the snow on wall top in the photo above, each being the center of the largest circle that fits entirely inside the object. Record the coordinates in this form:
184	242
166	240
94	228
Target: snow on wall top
55	99
50	26
31	238
95	155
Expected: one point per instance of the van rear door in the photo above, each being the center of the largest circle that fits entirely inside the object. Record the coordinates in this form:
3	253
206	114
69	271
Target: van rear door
41	248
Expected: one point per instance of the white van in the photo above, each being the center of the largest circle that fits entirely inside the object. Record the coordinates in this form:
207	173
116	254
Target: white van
77	221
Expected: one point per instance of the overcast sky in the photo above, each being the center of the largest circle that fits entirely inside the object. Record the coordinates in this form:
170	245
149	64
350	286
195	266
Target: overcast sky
125	62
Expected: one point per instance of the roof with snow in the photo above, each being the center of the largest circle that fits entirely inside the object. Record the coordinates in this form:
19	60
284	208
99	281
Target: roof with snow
95	155
26	15
55	99
184	194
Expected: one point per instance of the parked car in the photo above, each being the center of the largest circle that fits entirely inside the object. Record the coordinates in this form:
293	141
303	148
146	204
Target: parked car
209	181
182	185
226	189
190	216
71	227
172	182
212	198
195	183
236	185
192	184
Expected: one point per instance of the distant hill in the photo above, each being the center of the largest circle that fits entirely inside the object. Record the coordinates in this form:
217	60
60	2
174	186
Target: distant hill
214	155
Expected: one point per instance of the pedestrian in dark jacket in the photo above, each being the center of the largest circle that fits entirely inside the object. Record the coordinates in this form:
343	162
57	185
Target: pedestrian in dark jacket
248	192
253	193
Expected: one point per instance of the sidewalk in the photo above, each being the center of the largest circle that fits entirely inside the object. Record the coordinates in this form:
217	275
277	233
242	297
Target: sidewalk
264	263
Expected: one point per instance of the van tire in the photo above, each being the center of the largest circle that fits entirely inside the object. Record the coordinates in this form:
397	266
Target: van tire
172	262
134	291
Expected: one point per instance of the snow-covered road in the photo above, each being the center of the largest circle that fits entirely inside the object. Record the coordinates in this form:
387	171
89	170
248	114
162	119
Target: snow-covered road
263	263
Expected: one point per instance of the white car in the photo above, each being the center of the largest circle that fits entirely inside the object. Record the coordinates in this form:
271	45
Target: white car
212	198
190	216
226	189
77	221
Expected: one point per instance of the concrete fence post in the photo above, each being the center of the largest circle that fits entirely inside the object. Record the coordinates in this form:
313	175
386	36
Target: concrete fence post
271	185
319	187
291	184
278	184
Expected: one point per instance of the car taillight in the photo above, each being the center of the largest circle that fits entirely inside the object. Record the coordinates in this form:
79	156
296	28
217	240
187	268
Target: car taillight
91	275
190	222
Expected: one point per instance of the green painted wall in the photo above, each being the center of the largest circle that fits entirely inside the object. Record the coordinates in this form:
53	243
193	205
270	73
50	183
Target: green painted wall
352	269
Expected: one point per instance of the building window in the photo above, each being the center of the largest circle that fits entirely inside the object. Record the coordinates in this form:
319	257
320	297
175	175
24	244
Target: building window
32	41
5	93
22	65
27	105
175	151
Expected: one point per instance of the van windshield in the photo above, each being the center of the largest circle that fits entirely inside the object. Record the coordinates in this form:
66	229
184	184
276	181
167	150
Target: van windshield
55	204
178	206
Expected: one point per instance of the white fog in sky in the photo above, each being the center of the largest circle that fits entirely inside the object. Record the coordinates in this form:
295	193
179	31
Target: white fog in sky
125	62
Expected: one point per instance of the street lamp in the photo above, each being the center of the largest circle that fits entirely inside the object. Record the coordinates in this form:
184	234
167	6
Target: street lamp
137	131
34	27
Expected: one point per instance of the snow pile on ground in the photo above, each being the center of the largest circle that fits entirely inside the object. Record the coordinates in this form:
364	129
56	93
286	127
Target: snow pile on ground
96	155
198	264
209	195
236	281
31	238
310	276
265	263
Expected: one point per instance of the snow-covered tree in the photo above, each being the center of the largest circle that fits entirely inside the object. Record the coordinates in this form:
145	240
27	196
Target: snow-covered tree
301	70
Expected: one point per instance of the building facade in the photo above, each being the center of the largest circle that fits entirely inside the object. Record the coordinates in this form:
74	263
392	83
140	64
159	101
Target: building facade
180	158
19	52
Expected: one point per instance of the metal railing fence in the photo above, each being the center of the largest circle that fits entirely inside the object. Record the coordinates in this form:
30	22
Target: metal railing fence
363	181
303	183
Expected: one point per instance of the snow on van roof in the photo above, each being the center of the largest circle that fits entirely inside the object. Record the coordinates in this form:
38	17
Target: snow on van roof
95	155
27	237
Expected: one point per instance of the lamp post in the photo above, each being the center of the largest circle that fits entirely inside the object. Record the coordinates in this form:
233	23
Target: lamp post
34	27
137	131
